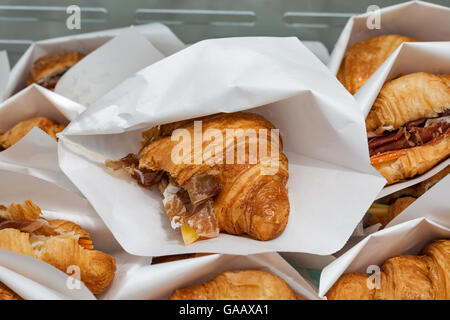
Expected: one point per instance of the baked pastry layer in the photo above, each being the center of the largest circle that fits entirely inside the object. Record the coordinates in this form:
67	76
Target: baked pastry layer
20	130
47	70
404	277
363	58
238	285
63	244
408	163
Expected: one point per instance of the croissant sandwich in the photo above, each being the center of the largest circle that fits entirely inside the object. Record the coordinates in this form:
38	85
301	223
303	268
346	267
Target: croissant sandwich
395	203
239	285
48	69
221	185
61	243
408	127
363	58
404	277
20	130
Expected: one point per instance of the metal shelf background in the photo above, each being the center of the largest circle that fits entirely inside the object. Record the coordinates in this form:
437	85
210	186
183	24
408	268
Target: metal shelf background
22	21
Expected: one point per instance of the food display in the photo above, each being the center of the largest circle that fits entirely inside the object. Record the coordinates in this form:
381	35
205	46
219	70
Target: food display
58	242
404	277
232	168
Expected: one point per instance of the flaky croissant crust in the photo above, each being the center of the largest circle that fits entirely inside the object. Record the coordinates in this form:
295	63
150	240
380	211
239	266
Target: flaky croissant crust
408	98
404	277
249	202
51	64
238	285
64	249
415	161
363	58
12	136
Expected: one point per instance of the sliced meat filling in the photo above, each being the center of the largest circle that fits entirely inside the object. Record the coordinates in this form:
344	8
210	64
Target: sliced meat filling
181	210
38	227
202	187
130	162
50	81
192	205
414	133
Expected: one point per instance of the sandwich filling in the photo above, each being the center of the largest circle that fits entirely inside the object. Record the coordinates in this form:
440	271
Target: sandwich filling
191	205
412	134
40	231
51	80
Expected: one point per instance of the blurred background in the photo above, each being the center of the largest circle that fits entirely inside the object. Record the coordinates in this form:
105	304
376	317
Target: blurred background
22	21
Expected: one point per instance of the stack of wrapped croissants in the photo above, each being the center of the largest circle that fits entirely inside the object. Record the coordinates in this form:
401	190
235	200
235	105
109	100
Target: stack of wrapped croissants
408	132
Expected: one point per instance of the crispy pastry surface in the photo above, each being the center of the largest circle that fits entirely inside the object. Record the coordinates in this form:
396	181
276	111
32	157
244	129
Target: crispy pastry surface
363	58
62	249
413	161
249	202
404	277
21	129
408	98
8	294
52	64
238	285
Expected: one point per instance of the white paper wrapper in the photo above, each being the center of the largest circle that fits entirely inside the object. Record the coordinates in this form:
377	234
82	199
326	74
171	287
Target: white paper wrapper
107	72
425	220
36	153
416	19
433	57
33	279
160	280
331	183
4	71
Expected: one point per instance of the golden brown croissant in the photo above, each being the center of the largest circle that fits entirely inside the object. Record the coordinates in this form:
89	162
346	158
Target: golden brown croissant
238	285
363	58
409	126
62	244
404	277
21	129
238	197
48	69
8	294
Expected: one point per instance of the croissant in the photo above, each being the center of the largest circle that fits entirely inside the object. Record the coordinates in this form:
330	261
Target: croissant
8	294
238	285
363	58
231	195
48	69
58	242
408	126
20	130
404	277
